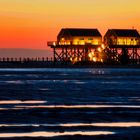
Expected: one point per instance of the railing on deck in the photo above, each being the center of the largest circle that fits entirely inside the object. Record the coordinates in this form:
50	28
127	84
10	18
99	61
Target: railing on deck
52	43
55	43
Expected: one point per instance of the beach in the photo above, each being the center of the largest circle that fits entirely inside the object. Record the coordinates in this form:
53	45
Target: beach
69	103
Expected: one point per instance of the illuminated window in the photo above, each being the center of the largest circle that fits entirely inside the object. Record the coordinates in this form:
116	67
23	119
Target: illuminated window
62	39
121	42
129	41
81	38
96	42
82	42
75	42
90	38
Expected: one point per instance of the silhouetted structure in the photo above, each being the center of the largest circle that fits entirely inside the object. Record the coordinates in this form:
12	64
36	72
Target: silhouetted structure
75	44
122	45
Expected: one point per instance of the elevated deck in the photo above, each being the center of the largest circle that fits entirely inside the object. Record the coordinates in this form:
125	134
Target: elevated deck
124	46
71	52
56	45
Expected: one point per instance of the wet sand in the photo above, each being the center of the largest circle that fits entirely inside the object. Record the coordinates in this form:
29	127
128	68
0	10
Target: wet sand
70	104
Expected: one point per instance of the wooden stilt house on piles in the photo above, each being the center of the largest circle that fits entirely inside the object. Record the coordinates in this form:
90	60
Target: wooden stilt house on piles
123	45
74	44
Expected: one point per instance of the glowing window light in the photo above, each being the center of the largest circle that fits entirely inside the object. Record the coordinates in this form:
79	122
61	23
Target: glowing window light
135	42
82	42
90	38
75	42
128	42
81	38
89	42
96	42
68	43
122	41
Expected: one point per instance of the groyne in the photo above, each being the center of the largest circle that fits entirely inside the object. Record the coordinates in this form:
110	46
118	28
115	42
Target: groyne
49	63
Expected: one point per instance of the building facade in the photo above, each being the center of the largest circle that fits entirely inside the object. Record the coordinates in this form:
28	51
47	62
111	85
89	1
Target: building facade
124	37
73	36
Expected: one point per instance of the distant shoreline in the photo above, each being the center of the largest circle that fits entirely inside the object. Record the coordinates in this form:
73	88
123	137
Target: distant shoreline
51	64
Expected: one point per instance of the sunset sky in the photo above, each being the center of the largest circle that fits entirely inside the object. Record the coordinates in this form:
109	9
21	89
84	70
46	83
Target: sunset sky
31	23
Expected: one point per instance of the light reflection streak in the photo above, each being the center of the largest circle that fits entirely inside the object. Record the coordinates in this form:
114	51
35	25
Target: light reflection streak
15	82
79	106
110	102
22	102
54	134
44	89
117	124
113	124
80	82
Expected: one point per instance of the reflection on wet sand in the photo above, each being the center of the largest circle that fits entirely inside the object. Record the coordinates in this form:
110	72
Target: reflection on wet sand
54	134
22	102
79	106
115	124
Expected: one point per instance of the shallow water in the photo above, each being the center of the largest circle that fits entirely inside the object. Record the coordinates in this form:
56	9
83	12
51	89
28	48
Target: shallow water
70	101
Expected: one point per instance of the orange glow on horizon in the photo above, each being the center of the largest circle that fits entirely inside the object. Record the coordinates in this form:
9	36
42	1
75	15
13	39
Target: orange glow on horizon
30	24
